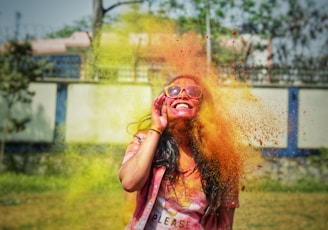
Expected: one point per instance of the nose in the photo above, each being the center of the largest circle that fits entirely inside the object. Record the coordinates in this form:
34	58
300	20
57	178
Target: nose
183	94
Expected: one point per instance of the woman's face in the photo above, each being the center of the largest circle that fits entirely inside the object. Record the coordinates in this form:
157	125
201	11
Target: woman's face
182	99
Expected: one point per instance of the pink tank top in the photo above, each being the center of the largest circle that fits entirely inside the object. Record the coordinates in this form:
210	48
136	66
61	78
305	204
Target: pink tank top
180	205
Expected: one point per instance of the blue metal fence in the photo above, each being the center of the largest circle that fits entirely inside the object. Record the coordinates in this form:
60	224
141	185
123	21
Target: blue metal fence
64	66
69	67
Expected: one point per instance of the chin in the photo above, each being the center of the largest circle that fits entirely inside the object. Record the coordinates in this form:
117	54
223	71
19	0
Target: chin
181	116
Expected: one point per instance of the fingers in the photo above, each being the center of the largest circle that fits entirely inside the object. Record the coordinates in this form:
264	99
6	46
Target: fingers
159	102
159	113
164	110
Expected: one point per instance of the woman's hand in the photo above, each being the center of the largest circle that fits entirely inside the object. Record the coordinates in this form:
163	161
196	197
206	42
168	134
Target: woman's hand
159	113
135	171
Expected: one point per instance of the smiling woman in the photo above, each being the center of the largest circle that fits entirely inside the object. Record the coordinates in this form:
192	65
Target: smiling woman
185	168
182	98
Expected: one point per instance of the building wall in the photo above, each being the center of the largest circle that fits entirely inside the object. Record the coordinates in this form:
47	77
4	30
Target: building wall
313	118
276	99
42	110
99	114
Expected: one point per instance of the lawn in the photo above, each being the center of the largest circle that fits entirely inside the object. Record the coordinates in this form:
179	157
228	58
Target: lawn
57	211
283	211
87	195
105	210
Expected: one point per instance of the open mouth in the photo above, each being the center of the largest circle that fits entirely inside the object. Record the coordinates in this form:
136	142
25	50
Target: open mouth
182	106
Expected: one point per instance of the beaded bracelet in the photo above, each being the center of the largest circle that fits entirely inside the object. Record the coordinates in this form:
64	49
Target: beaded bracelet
157	131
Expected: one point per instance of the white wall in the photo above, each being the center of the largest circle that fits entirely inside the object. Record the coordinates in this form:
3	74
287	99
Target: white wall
313	118
101	113
276	101
42	110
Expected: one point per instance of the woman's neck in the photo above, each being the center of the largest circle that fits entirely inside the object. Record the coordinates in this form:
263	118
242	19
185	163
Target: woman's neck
180	132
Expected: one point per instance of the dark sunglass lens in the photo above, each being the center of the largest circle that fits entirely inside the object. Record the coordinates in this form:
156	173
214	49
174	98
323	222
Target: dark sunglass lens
173	91
194	91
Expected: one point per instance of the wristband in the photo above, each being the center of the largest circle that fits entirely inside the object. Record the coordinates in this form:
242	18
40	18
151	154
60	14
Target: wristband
157	131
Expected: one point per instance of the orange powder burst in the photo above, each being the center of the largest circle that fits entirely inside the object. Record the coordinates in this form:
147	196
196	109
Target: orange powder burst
234	119
225	141
183	53
235	123
226	130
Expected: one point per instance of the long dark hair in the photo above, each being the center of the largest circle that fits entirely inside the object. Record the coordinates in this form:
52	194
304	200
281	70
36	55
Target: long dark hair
167	155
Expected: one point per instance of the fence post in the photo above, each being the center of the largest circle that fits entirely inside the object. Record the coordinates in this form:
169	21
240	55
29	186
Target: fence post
293	102
60	120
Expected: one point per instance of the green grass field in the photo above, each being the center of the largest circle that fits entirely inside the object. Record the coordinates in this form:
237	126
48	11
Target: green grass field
105	210
89	196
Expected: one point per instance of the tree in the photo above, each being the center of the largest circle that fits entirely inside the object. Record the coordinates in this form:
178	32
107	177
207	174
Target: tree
92	23
83	24
293	26
206	18
17	70
99	13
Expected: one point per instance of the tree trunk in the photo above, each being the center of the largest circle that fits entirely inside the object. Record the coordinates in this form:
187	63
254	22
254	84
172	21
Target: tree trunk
98	15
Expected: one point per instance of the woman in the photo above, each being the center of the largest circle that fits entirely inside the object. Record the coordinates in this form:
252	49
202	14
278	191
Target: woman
176	165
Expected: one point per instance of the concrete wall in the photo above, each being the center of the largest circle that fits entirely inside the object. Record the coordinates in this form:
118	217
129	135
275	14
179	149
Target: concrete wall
313	118
99	114
42	110
277	100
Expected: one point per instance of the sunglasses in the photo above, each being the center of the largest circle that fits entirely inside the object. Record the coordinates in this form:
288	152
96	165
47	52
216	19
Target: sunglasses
193	91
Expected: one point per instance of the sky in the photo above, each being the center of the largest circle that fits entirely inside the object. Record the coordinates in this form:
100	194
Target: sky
42	16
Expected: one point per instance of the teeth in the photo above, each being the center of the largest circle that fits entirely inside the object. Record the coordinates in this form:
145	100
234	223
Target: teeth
182	106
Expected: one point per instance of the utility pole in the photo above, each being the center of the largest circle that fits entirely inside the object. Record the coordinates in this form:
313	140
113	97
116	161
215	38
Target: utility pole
18	16
208	33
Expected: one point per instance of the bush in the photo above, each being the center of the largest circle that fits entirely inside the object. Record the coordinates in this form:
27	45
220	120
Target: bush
304	185
11	183
67	171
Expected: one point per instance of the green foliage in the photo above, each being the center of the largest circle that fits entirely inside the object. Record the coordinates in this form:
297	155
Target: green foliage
76	173
72	171
17	70
304	185
86	180
322	157
12	183
220	32
296	26
83	24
